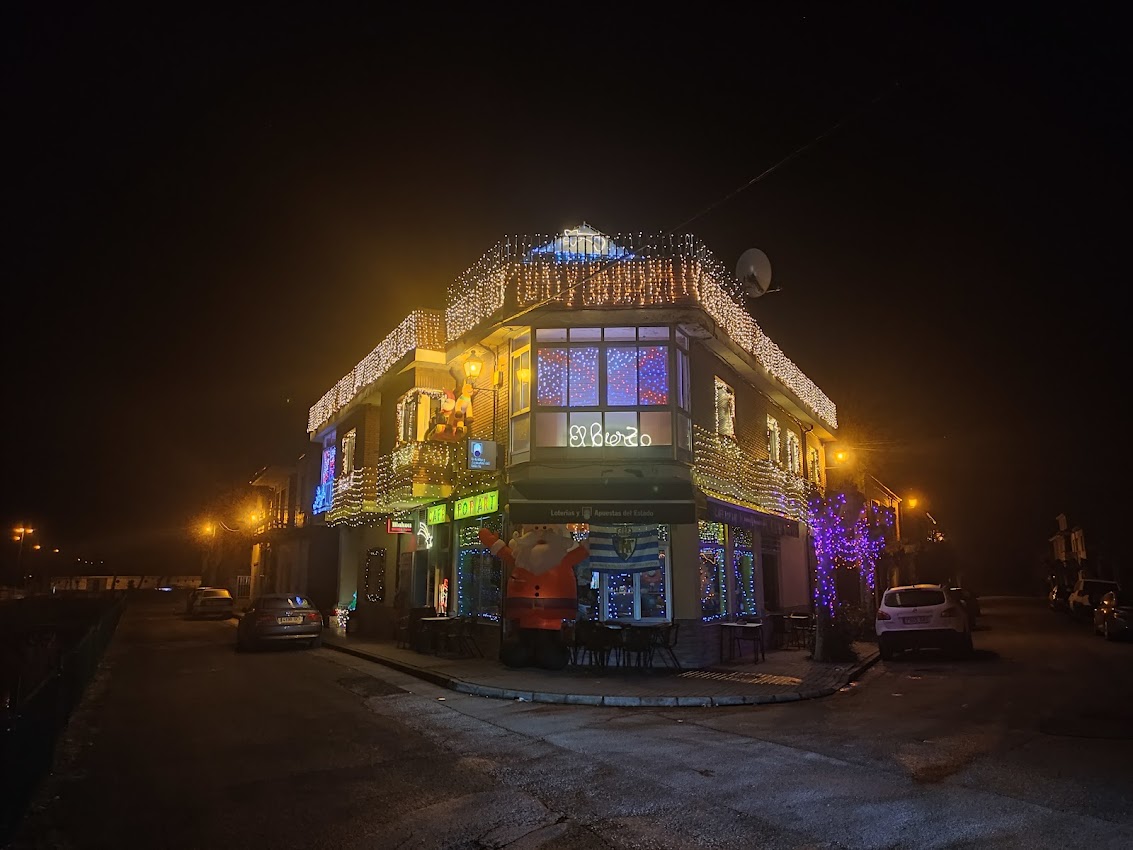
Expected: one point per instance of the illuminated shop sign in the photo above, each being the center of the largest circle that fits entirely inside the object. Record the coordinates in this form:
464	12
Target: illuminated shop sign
425	534
399	526
596	435
478	505
436	514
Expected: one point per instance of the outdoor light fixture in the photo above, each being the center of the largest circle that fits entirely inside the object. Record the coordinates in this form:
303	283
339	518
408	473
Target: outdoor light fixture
472	366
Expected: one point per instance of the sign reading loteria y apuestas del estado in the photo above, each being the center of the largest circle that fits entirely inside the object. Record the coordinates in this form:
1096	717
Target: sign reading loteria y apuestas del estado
478	505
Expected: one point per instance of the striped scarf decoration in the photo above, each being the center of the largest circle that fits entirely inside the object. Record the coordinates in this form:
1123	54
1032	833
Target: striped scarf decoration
623	548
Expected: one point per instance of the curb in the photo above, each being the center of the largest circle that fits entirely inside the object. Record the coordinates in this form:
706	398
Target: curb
611	700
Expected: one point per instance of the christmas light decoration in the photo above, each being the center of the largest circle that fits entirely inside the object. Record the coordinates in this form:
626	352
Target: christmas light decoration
582	268
420	329
524	272
845	542
412	474
713	585
725	471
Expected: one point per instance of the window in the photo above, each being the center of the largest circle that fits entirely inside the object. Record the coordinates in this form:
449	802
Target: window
725	409
793	453
743	570
595	387
684	395
348	441
774	441
416	411
520	398
814	469
612	597
713	576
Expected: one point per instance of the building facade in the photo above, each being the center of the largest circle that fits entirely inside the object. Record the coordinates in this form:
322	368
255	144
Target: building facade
616	388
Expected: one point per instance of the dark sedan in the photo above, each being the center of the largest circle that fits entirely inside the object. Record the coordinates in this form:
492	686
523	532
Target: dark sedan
280	617
1114	615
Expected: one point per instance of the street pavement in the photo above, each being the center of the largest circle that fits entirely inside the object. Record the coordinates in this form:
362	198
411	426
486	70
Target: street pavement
183	743
783	675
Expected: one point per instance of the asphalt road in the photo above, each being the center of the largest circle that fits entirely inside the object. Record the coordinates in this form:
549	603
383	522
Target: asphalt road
183	743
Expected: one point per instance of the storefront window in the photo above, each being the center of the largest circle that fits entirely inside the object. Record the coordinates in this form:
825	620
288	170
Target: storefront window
632	596
713	577
743	567
478	574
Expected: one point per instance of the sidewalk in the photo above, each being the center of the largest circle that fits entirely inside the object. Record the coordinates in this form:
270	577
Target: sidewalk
784	676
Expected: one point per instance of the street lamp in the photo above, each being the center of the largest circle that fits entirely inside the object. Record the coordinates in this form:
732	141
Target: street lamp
21	533
473	365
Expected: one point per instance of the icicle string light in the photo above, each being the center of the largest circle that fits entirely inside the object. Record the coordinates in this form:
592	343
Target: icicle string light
631	271
420	329
364	495
581	269
724	470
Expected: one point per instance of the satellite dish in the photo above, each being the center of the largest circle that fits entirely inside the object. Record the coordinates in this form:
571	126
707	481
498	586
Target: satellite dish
754	272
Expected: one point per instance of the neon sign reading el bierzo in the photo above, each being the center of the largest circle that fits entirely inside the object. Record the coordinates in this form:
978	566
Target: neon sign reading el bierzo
596	435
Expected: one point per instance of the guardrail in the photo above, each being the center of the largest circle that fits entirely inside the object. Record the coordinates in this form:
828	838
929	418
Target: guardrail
37	701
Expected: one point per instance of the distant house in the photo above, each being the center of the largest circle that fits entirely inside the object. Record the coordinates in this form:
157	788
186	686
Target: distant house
115	582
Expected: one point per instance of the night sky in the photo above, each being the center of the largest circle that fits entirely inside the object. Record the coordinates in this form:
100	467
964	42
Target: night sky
210	219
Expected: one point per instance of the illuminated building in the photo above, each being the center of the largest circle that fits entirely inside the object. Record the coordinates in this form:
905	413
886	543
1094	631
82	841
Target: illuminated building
591	381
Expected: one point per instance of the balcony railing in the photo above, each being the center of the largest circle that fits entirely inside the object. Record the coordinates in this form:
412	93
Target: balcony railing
412	474
723	469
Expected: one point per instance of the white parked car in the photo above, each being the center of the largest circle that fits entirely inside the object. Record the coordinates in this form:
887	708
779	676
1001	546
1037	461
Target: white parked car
922	615
210	602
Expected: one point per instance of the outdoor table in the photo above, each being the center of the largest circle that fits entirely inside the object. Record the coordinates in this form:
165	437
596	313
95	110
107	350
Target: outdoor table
432	630
737	632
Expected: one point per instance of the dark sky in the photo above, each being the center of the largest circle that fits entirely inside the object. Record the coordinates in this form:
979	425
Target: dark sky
210	218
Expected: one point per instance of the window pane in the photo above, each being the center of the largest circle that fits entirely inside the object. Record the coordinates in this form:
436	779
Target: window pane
585	429
552	377
521	381
621	376
551	429
684	395
586	334
584	377
621	333
684	433
551	334
521	433
653	374
712	601
656	429
653	333
621	429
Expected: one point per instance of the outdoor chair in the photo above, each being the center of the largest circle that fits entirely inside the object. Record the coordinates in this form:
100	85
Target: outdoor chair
461	637
665	642
596	643
637	647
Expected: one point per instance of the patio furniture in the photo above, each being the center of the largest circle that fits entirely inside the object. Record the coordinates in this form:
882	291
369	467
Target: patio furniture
637	646
733	634
665	642
461	637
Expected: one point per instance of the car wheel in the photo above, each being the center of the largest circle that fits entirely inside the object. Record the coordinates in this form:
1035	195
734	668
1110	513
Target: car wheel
315	642
885	649
966	648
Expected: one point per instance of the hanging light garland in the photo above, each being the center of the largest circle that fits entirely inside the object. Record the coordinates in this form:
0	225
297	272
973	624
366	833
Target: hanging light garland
591	270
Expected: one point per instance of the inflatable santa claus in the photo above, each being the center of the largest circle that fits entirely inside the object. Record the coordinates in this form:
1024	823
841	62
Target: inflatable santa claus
542	591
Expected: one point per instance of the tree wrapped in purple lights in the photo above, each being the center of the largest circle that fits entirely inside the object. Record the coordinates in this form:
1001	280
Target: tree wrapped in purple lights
848	535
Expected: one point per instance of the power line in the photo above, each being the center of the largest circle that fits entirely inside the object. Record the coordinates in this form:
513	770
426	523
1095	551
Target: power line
610	262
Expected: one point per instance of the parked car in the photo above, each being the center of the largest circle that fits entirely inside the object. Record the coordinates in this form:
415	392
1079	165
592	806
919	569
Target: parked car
280	617
1114	615
1087	595
210	602
1058	597
922	615
971	603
